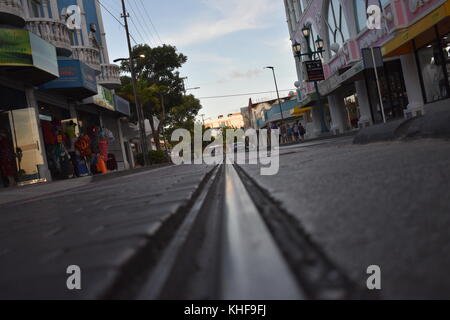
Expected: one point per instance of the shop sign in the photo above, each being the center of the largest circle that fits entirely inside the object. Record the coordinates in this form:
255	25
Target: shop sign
19	47
369	60
104	98
122	105
418	7
314	70
73	74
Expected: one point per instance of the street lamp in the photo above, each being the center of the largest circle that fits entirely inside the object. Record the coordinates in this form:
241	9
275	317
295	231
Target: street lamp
195	88
142	56
278	94
297	49
306	30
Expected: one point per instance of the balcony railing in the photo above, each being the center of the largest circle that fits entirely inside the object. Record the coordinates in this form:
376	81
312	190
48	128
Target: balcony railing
11	13
55	32
88	55
110	76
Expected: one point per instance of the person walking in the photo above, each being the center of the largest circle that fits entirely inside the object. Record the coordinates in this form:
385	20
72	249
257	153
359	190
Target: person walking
290	133
302	131
296	131
283	132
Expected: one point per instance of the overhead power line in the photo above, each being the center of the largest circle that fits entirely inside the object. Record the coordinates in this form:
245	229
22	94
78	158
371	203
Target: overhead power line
115	18
151	21
244	94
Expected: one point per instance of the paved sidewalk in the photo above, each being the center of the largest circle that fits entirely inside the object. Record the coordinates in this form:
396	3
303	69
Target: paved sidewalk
100	228
31	192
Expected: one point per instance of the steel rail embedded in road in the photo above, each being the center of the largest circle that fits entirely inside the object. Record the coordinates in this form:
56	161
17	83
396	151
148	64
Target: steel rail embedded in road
253	266
236	244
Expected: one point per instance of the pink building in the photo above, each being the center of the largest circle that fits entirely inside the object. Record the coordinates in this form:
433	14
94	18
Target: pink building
412	38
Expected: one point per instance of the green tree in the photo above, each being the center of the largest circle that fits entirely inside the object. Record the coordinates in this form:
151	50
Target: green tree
161	88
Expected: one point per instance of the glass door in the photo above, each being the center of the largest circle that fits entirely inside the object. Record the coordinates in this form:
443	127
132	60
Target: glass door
27	145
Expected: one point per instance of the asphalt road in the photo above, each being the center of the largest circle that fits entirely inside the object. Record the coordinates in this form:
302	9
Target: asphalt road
384	204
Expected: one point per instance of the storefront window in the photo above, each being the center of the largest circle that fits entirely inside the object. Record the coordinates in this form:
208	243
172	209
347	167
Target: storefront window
433	65
337	26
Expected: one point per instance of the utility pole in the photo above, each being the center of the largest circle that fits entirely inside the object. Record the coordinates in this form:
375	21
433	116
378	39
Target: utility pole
140	112
278	93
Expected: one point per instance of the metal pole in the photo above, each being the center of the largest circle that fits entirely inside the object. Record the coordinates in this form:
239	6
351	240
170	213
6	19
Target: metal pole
140	112
319	103
278	95
321	109
163	107
378	84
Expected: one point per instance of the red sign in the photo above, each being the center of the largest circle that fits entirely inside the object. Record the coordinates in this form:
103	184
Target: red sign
314	70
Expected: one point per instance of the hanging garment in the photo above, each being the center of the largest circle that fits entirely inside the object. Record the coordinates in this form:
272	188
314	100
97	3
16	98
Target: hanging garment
103	148
48	132
83	146
7	158
111	164
101	166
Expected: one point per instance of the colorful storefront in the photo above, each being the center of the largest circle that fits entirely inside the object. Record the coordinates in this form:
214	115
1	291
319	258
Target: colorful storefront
424	42
25	62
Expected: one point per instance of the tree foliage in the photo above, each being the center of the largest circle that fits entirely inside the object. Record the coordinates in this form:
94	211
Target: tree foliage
161	89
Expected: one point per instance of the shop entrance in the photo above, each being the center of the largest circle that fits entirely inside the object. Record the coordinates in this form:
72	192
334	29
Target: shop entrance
58	130
20	150
351	106
393	92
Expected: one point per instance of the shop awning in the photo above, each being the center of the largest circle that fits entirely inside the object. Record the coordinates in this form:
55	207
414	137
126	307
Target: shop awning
27	57
401	44
335	81
76	80
298	111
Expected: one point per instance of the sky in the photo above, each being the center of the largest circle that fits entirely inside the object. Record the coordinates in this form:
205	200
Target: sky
228	43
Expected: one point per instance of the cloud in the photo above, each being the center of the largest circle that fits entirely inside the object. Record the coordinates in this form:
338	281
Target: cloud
245	75
231	16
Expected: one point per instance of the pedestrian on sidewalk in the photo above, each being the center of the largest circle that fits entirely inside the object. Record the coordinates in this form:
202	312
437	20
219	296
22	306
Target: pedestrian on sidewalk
296	130
283	132
302	131
290	133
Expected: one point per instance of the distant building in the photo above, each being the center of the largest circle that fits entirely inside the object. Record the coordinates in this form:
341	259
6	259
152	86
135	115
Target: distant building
246	116
232	120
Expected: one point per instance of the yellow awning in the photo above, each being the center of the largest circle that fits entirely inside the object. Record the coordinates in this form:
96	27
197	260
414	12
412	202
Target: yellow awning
297	111
401	44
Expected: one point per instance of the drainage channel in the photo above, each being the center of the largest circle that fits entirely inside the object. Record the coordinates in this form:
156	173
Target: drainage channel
236	244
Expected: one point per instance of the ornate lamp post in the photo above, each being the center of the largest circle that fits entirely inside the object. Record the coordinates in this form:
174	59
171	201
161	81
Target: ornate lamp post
319	44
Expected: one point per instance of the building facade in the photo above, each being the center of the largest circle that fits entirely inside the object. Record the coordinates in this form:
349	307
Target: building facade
56	83
232	120
413	76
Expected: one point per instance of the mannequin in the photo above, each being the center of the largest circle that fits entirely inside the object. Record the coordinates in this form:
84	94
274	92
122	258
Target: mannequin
7	159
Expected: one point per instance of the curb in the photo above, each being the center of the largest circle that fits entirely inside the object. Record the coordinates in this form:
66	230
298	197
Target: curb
124	173
434	125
